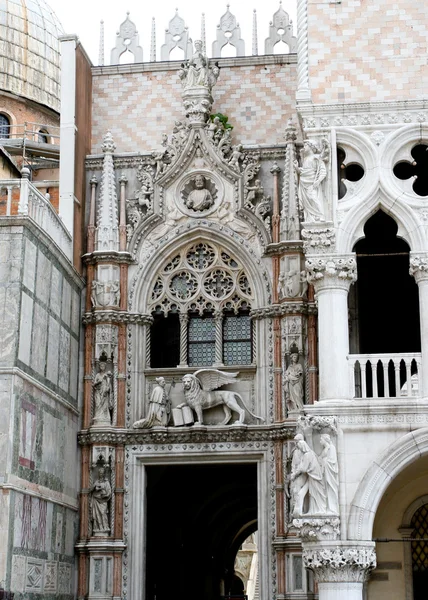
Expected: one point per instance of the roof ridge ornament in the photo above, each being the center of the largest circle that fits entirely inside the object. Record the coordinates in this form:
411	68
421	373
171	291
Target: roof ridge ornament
280	30
127	39
176	36
228	32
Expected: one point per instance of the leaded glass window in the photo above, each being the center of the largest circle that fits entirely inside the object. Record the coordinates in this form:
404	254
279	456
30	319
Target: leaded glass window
201	341
237	339
420	552
4	126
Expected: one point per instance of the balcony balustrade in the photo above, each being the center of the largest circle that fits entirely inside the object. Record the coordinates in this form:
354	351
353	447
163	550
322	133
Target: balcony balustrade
33	204
385	375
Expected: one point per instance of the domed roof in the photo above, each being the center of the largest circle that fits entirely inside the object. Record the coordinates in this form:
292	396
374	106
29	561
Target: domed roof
29	51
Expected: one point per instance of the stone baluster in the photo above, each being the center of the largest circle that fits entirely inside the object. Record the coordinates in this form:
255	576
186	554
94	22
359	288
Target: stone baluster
340	568
184	320
332	277
419	270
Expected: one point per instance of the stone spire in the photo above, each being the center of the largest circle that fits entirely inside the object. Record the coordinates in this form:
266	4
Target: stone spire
107	232
290	221
101	49
153	42
203	35
255	49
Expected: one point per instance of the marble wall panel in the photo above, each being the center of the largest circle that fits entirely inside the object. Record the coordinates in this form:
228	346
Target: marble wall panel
55	295
75	312
4	531
64	359
9	318
39	339
74	361
43	277
52	460
53	351
66	303
18	573
25	328
5	407
29	265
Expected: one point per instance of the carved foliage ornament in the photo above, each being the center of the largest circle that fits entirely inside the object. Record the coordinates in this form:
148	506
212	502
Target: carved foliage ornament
419	266
340	564
318	240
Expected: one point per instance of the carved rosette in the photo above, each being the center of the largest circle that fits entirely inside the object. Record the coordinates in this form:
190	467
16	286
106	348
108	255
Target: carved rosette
419	266
333	270
347	562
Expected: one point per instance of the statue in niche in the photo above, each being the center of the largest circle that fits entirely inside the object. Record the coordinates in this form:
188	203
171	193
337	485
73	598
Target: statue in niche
294	392
330	472
159	407
306	470
196	72
103	395
100	493
200	197
312	173
201	393
298	481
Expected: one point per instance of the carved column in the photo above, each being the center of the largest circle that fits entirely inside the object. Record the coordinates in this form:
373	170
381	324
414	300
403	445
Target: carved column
218	319
184	320
122	214
340	568
419	270
91	225
332	276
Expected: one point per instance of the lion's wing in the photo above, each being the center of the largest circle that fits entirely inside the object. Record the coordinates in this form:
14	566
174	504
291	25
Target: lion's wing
211	379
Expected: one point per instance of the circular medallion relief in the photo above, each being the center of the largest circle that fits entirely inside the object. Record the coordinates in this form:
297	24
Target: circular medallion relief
199	194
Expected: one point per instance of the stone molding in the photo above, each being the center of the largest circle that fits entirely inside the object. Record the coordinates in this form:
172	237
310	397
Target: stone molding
107	257
419	266
340	561
116	316
193	435
331	270
286	308
282	247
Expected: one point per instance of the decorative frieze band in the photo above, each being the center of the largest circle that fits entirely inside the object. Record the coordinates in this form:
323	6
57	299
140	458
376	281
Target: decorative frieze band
334	563
226	435
113	316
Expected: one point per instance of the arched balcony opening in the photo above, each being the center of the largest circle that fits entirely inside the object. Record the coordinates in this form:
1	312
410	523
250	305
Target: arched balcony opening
384	332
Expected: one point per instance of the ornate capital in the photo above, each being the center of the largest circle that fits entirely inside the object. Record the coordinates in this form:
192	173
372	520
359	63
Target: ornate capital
331	271
335	561
419	266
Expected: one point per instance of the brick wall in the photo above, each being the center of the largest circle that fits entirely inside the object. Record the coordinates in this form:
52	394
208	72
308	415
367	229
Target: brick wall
363	51
256	95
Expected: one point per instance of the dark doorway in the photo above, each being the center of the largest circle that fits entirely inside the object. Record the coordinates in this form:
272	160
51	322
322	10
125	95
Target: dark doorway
383	303
197	518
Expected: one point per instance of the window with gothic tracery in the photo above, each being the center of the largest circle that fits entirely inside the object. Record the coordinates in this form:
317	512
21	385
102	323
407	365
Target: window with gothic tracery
203	296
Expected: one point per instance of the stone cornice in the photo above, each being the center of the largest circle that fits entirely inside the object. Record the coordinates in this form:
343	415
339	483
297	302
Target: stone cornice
107	257
177	435
283	247
285	308
116	316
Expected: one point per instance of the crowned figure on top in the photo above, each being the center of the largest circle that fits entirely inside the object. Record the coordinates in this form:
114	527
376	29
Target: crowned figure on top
196	72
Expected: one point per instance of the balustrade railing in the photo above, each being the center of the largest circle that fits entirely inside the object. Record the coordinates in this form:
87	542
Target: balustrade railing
385	375
35	205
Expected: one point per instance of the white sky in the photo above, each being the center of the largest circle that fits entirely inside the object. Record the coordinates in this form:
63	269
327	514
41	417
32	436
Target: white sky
82	17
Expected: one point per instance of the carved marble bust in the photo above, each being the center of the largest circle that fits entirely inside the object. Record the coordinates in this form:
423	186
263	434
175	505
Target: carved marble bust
199	193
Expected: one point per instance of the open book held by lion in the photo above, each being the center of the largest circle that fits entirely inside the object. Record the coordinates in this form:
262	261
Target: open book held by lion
201	393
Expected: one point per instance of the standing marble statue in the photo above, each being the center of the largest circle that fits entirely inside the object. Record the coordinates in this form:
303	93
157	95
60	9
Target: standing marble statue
330	472
100	495
159	407
294	392
308	472
312	173
103	395
297	481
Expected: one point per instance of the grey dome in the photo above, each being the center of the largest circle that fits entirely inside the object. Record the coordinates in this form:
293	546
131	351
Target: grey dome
29	51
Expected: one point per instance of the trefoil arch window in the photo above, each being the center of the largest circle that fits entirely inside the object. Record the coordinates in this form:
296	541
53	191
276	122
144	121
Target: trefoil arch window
203	296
